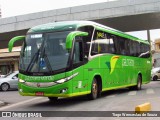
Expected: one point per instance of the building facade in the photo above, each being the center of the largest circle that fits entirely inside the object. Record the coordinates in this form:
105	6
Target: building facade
9	61
157	45
156	54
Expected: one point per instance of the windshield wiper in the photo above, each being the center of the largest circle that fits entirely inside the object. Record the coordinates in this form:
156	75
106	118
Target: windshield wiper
35	57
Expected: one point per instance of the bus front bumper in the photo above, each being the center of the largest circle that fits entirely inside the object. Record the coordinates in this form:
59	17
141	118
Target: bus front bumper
59	90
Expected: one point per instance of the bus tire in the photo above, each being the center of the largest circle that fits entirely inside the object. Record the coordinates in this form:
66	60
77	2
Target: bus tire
139	83
53	99
95	92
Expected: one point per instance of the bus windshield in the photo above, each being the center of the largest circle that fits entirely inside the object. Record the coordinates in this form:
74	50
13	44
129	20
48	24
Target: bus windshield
45	52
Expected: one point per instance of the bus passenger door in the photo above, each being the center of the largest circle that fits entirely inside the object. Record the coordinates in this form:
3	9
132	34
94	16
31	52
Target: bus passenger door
79	83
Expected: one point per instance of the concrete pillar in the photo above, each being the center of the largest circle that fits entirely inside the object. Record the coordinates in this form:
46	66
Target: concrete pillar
148	36
16	66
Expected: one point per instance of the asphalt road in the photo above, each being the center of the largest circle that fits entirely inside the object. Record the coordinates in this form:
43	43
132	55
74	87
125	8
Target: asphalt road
115	100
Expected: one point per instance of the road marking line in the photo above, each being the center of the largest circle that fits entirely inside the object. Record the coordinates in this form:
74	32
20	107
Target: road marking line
20	103
132	93
150	91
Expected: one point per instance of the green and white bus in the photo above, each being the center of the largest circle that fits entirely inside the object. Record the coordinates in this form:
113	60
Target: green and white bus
72	58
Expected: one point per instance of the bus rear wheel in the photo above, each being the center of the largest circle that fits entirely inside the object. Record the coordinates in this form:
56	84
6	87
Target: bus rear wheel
53	99
95	91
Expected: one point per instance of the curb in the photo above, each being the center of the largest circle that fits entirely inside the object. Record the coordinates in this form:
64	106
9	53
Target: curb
146	107
2	103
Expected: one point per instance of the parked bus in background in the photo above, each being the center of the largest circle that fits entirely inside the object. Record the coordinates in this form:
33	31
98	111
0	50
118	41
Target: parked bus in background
72	58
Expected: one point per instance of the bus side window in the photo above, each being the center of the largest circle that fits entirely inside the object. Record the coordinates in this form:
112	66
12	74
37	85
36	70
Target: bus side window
94	49
111	45
134	48
131	48
122	46
103	42
116	44
127	47
86	49
138	49
145	51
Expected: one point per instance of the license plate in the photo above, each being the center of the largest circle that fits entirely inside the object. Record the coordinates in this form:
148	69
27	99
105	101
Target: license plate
39	93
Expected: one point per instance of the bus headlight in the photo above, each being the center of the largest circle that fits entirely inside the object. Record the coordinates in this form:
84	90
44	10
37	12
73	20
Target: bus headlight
21	81
61	81
66	79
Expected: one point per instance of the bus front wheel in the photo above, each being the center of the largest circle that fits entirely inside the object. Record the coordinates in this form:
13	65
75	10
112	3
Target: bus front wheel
139	84
94	90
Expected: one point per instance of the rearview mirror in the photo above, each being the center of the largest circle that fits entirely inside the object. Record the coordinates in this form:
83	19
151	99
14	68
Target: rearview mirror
13	40
71	36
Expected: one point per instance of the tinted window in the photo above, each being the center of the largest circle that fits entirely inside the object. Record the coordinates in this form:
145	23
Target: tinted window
108	43
102	43
77	57
145	51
